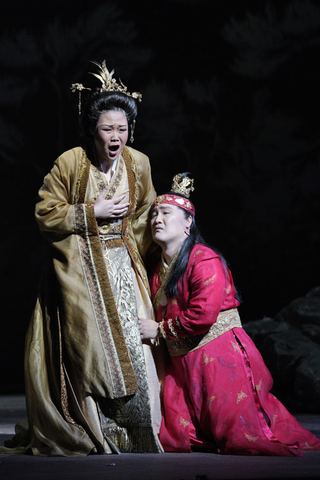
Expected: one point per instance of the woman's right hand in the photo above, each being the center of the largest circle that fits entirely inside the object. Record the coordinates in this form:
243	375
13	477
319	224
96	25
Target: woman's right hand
112	208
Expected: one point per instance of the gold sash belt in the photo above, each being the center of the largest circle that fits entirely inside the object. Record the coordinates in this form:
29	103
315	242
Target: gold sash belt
226	321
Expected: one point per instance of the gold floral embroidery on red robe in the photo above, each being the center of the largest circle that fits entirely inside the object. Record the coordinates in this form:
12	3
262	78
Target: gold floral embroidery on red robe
184	422
251	438
207	359
210	280
241	396
235	346
274	418
258	387
211	399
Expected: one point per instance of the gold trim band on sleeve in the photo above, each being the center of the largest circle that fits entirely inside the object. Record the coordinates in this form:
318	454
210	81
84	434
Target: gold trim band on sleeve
171	328
163	333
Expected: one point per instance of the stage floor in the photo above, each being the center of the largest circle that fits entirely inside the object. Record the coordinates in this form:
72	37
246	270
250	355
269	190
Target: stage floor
167	466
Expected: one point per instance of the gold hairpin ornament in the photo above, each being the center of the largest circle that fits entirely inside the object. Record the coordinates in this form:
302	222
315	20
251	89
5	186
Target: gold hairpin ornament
108	84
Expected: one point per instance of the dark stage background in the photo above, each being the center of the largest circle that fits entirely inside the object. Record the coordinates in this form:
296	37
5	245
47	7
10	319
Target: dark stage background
230	93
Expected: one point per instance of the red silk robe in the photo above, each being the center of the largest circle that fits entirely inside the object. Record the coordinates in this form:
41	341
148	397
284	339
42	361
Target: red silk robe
216	392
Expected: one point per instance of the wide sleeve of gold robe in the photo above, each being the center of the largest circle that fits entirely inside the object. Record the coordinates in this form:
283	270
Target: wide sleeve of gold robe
91	386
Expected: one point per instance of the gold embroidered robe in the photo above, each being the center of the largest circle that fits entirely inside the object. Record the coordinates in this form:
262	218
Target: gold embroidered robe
90	384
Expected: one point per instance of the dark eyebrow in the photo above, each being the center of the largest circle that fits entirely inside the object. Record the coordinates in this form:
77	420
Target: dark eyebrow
111	125
164	206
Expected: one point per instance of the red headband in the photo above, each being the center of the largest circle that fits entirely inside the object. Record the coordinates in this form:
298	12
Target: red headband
175	200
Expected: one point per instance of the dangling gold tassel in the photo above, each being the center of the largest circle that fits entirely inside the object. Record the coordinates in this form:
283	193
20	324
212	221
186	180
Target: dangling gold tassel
78	86
132	131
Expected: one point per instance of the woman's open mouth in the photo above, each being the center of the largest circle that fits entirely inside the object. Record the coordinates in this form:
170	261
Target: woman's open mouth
113	150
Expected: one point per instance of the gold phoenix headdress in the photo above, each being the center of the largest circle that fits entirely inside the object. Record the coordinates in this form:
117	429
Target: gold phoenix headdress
109	84
181	185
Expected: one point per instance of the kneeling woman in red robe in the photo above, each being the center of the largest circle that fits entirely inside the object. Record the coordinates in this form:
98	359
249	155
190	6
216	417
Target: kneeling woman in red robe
216	393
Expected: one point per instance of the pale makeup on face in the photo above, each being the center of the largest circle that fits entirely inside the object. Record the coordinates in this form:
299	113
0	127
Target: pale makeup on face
110	137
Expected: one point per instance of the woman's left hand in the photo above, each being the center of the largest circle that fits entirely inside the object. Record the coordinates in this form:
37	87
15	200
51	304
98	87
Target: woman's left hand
148	328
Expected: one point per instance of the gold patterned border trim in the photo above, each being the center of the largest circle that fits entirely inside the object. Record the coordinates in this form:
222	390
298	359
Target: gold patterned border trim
100	179
100	315
171	328
113	242
106	315
129	377
225	321
163	333
132	181
127	220
82	180
63	386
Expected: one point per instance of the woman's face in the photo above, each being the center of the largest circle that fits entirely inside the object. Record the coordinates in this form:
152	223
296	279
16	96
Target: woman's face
111	135
169	225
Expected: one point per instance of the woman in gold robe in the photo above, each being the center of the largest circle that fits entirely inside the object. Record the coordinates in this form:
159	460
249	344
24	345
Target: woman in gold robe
91	385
